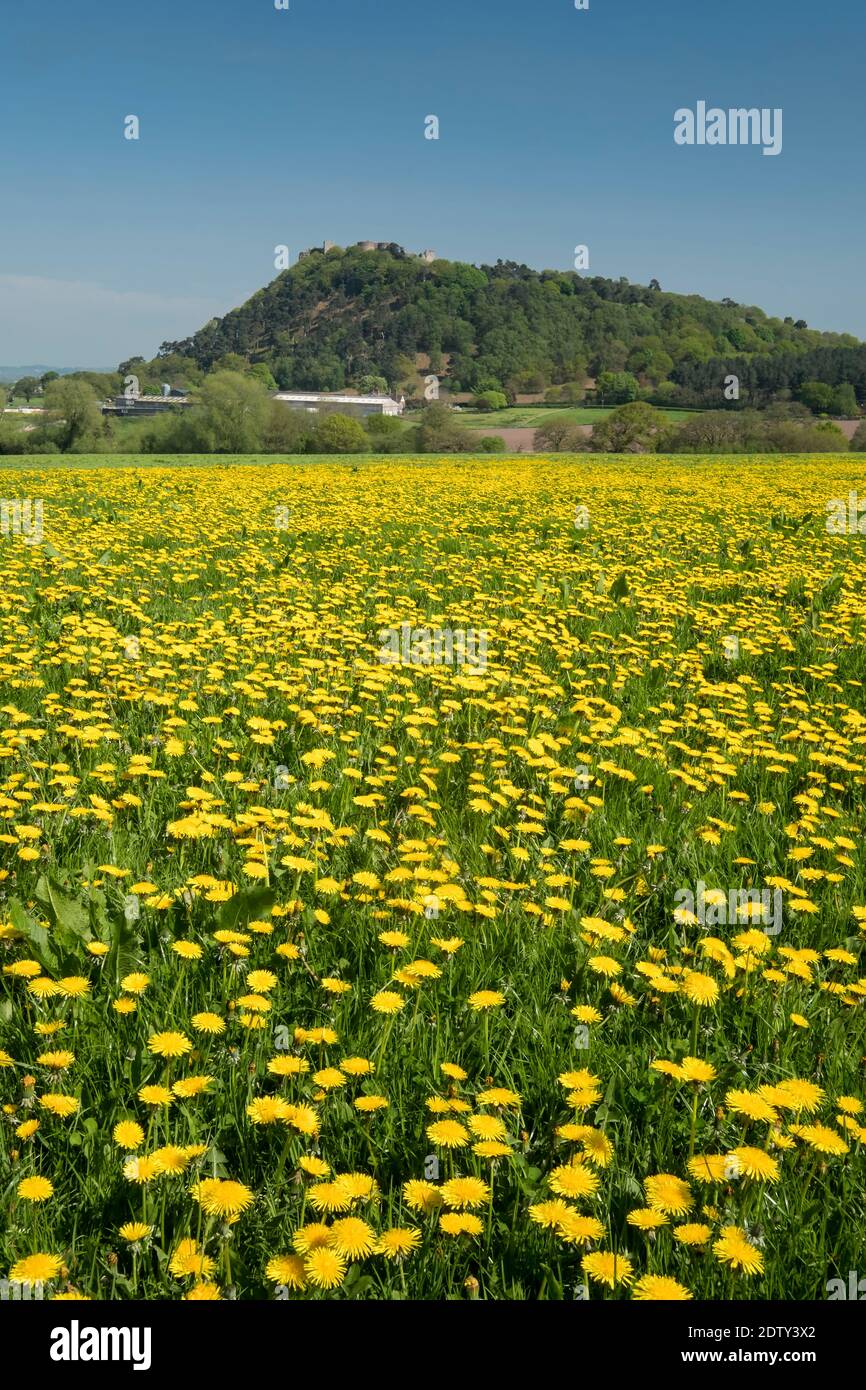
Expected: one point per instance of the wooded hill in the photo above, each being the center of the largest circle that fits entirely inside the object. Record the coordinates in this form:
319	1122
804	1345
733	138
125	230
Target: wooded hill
339	316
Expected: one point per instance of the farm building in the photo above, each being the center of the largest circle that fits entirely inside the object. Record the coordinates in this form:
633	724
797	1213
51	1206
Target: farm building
146	405
316	402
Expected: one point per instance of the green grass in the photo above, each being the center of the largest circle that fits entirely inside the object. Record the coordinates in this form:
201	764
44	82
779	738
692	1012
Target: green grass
531	417
353	463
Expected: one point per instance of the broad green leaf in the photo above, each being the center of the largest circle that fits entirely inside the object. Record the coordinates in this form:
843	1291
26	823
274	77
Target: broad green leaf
124	954
245	907
69	913
40	942
619	588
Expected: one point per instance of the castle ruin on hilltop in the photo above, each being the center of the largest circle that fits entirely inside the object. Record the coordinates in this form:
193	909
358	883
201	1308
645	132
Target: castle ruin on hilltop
394	247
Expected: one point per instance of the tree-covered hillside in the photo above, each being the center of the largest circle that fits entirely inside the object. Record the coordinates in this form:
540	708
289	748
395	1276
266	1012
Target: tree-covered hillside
340	316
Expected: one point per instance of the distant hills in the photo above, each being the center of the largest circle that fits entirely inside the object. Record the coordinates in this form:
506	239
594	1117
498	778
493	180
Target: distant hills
8	374
339	317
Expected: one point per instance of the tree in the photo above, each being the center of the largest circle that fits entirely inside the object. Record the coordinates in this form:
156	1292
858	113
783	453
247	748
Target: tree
232	362
650	359
46	377
440	432
26	387
370	385
845	402
388	435
130	365
616	388
531	383
286	431
318	371
796	437
230	416
404	368
492	444
818	396
717	432
74	418
665	393
751	432
490	400
561	436
633	428
340	434
610	356
13	440
103	383
552	435
181	372
283	369
788	410
572	392
485	384
381	426
262	372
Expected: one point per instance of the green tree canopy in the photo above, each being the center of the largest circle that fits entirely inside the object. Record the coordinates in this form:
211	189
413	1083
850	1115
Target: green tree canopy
371	385
74	417
340	434
262	372
632	428
616	388
440	431
231	413
27	387
490	400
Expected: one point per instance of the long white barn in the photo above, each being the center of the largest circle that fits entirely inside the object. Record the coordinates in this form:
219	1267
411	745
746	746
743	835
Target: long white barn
315	401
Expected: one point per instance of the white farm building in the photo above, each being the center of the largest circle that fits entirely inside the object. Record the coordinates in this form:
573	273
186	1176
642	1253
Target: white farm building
316	402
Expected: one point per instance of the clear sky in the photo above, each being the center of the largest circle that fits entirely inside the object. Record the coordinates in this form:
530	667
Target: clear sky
261	127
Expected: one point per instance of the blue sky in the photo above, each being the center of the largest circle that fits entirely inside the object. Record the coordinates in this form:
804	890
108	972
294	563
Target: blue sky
261	127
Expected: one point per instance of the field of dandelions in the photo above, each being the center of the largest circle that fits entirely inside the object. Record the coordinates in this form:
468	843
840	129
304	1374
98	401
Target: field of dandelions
331	978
